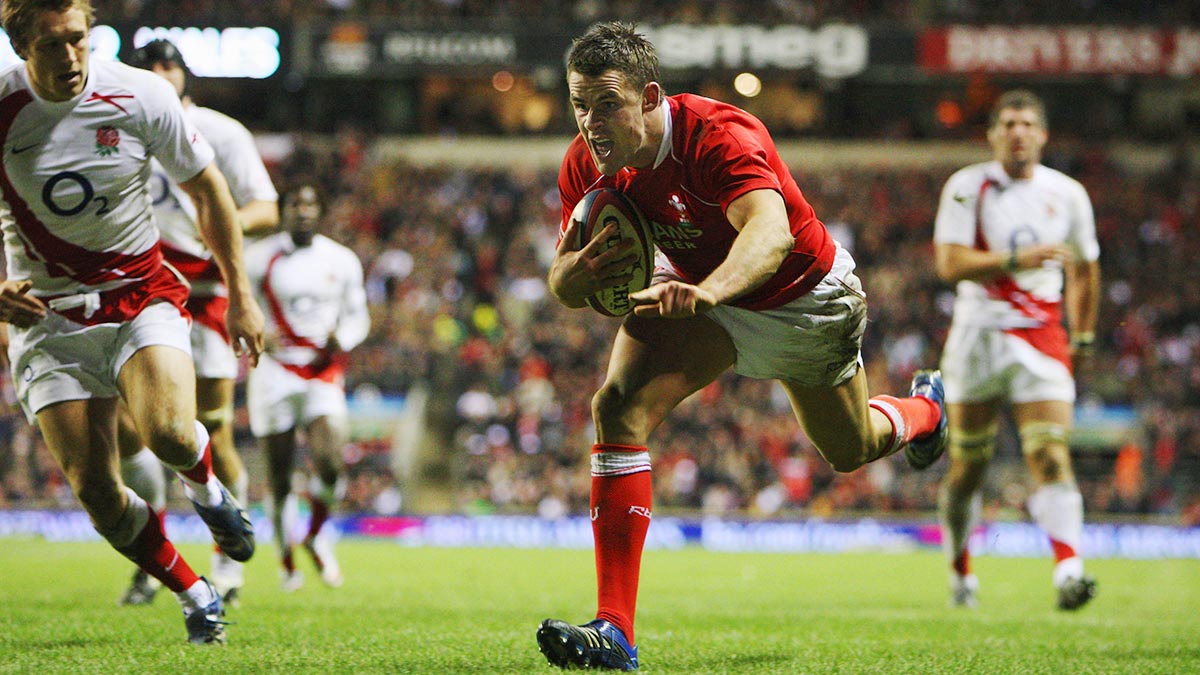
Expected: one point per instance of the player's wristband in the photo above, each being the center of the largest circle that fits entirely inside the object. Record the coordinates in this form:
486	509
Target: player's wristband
1083	340
1011	264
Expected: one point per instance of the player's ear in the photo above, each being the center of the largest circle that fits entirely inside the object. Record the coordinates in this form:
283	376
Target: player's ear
652	96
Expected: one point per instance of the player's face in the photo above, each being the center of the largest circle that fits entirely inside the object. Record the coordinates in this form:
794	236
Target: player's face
611	116
171	72
1018	136
302	214
57	56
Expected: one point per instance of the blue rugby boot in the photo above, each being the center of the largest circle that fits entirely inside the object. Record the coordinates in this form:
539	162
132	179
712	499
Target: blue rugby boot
1076	593
205	625
596	644
229	524
922	452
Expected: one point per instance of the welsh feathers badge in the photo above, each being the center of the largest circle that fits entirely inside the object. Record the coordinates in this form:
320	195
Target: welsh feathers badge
107	139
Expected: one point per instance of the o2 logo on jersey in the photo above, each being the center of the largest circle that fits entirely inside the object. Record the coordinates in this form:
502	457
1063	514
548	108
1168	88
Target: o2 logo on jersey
69	193
159	187
1022	236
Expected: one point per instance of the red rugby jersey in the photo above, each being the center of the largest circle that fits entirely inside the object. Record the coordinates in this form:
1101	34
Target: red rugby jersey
718	152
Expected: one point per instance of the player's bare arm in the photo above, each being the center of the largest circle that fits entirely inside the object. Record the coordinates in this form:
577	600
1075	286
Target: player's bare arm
956	262
216	218
1082	298
576	275
259	217
764	240
17	306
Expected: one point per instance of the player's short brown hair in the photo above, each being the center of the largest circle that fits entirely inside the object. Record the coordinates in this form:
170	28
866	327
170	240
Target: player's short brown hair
293	192
1018	99
614	46
18	17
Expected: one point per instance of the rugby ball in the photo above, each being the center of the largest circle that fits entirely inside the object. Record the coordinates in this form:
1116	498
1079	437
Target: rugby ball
594	212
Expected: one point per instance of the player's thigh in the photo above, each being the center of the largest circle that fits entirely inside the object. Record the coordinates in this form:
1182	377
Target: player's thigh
213	395
973	417
835	418
280	450
129	443
326	416
655	364
326	435
159	387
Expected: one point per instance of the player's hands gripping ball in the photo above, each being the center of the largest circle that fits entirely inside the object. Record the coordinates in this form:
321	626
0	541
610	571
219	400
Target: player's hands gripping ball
607	219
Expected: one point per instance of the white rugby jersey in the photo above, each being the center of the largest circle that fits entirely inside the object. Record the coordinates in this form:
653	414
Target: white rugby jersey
307	294
982	207
74	203
237	158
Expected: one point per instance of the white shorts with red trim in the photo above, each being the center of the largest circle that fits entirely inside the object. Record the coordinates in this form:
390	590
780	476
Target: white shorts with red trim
59	360
813	340
981	364
212	354
278	399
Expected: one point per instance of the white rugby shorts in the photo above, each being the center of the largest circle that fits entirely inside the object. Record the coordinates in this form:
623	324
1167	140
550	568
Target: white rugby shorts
212	354
813	341
59	360
981	364
279	400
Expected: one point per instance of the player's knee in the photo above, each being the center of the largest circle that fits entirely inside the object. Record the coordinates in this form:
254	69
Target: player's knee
217	419
1045	447
172	441
613	409
973	446
608	402
845	466
848	457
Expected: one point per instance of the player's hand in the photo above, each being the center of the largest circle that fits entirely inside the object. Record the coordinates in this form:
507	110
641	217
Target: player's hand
17	306
672	300
577	275
245	323
1082	356
1031	257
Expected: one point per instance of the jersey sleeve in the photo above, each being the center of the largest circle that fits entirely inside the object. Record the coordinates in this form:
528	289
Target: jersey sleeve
955	222
170	136
237	157
354	321
733	160
1082	236
570	184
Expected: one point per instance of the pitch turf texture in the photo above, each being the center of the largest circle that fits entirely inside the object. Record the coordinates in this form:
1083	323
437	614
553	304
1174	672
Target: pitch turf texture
448	611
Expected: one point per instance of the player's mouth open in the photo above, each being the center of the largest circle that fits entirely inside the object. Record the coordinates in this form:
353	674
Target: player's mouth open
602	148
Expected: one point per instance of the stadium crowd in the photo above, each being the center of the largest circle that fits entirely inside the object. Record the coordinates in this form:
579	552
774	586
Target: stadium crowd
456	260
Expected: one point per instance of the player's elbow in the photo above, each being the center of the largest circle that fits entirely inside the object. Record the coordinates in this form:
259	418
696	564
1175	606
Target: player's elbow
944	266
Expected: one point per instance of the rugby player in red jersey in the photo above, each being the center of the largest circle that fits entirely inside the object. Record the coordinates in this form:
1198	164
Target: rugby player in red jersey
747	277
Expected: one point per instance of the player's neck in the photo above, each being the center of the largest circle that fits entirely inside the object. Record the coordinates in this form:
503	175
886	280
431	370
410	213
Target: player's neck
655	129
1019	170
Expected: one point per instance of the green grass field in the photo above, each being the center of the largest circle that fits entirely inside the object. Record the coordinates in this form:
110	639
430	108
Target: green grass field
450	611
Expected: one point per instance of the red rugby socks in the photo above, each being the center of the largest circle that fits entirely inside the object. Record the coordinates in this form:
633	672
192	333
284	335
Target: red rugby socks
139	536
620	510
911	418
